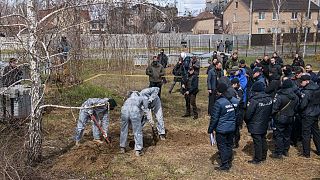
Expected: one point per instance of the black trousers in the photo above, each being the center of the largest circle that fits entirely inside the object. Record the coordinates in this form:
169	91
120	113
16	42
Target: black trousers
224	143
156	84
239	124
310	126
212	100
260	147
191	101
296	130
282	136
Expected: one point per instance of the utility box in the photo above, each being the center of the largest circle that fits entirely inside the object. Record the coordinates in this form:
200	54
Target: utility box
15	103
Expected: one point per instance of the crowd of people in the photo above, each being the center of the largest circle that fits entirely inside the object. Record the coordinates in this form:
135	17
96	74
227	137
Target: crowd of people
265	95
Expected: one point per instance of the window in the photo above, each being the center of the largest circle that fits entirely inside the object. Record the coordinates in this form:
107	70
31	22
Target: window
308	29
274	30
274	16
234	18
262	15
261	31
306	15
237	5
294	15
293	30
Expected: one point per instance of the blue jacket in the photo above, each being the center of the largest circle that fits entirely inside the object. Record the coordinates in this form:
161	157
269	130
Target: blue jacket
243	82
223	115
212	79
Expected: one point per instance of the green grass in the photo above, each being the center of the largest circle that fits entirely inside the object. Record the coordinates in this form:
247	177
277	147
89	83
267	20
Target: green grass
76	95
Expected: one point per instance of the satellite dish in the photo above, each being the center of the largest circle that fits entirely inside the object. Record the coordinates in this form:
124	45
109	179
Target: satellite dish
315	22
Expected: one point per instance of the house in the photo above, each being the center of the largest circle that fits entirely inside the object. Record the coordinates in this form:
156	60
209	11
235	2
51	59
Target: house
264	20
204	23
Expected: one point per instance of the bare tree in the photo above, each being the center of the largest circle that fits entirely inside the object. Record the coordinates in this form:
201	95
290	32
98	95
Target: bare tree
277	5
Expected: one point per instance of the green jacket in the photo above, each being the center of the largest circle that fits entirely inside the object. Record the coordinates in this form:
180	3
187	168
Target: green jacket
155	71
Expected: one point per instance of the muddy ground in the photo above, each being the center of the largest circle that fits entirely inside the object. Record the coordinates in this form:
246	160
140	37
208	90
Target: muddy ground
185	154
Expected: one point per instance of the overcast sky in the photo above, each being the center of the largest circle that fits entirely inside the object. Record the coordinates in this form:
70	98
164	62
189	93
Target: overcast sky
194	6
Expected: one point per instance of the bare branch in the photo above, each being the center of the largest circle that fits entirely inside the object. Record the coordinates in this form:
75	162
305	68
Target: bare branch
17	82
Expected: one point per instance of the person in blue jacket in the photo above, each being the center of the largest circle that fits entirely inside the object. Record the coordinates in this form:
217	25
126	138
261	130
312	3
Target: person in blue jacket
240	73
223	122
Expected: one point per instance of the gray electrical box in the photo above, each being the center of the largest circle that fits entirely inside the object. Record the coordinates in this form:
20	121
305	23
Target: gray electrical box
15	102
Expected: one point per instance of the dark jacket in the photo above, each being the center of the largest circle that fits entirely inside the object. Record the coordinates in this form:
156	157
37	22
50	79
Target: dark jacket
163	59
262	79
306	107
155	71
223	115
192	84
273	87
279	60
298	62
285	104
179	72
11	75
314	77
275	72
258	113
212	80
196	66
265	68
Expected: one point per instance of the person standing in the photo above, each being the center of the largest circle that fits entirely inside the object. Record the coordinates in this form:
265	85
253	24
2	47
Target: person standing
212	82
232	62
179	73
11	73
285	103
278	59
155	71
297	61
223	122
257	117
132	112
195	64
190	94
163	59
310	110
221	46
64	48
313	75
228	45
94	108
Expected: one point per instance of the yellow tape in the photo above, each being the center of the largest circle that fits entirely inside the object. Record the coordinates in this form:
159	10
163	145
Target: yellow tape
131	75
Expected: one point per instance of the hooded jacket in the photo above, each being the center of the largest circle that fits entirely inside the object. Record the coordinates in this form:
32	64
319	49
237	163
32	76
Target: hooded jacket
258	112
155	71
223	115
285	103
306	107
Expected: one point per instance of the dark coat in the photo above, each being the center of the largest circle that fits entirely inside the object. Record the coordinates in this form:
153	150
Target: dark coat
179	72
306	107
285	104
258	113
163	59
275	72
192	84
298	62
212	80
223	115
273	87
279	61
265	68
155	71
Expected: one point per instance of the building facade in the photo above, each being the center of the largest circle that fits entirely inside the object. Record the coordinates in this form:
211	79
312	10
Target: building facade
292	18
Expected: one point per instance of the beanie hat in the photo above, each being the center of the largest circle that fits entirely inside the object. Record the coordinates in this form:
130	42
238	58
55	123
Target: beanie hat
222	87
287	84
242	61
235	81
258	87
305	77
256	69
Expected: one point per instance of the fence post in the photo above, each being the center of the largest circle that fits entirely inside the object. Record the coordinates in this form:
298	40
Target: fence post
189	46
247	47
169	47
282	46
209	45
315	44
265	48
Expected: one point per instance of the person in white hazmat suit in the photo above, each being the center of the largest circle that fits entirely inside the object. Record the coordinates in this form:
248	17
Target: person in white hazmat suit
132	112
154	105
99	108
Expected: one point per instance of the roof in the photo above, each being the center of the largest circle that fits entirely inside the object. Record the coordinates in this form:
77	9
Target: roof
179	24
205	15
289	5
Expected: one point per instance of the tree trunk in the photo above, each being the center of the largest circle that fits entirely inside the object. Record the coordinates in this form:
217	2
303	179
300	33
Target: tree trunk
34	143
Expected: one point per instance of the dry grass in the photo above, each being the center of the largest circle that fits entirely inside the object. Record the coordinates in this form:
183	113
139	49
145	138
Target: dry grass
186	154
